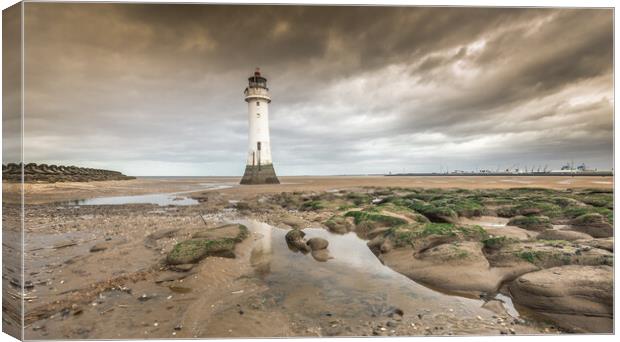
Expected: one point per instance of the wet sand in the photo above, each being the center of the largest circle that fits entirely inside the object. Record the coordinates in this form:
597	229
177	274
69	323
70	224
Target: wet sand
66	191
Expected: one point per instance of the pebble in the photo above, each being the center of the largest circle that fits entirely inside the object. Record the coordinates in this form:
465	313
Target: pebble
144	297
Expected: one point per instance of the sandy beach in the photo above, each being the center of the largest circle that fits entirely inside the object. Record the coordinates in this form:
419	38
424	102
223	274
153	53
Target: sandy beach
100	262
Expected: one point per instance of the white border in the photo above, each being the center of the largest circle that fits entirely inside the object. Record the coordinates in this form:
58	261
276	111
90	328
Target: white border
503	3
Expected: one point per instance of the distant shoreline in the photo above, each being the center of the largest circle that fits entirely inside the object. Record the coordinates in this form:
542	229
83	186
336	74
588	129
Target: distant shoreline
427	174
505	174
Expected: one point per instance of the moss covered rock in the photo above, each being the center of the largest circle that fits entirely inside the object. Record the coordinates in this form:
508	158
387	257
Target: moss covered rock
593	224
562	234
605	243
435	212
194	250
545	254
219	241
424	236
296	242
535	223
339	224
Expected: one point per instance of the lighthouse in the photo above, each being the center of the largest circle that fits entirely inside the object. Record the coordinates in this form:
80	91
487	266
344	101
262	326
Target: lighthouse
259	167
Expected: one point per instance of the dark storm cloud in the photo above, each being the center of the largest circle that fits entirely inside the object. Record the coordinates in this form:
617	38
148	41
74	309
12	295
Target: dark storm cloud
157	89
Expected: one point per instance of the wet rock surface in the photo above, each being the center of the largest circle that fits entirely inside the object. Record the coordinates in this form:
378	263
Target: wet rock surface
296	241
317	243
582	295
562	234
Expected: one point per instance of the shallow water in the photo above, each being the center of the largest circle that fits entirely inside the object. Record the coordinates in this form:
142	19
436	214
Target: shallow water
160	199
485	221
354	284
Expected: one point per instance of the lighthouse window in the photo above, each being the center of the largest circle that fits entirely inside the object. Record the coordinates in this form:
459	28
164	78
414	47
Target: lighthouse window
258	115
257	103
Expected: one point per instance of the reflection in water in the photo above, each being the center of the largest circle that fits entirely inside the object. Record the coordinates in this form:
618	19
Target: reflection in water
353	284
260	257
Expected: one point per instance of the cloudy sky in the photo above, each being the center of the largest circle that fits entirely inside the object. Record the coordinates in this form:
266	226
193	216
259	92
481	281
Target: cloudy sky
158	89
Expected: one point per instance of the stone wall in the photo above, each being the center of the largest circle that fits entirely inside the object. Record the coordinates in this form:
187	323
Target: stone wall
57	173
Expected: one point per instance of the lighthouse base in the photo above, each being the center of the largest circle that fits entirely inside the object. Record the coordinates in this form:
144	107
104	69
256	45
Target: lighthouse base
263	174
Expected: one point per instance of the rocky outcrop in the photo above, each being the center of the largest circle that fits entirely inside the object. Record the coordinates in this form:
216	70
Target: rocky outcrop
562	234
547	254
578	297
606	244
459	267
52	173
535	223
593	224
218	241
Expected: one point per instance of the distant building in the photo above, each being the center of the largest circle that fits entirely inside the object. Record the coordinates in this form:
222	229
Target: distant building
259	167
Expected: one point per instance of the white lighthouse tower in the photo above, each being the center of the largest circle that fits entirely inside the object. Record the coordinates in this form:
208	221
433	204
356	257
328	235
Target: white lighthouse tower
259	168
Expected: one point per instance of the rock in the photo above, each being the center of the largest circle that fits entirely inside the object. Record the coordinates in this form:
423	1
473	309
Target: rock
375	244
182	267
573	296
395	312
535	223
193	250
495	306
593	224
98	247
339	224
144	297
52	173
562	234
237	232
511	232
219	241
295	241
530	211
293	221
377	231
242	206
459	267
606	243
163	233
547	254
151	240
386	246
294	235
321	255
317	243
172	276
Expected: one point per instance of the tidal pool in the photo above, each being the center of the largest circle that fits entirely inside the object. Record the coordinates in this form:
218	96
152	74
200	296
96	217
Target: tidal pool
160	199
353	285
